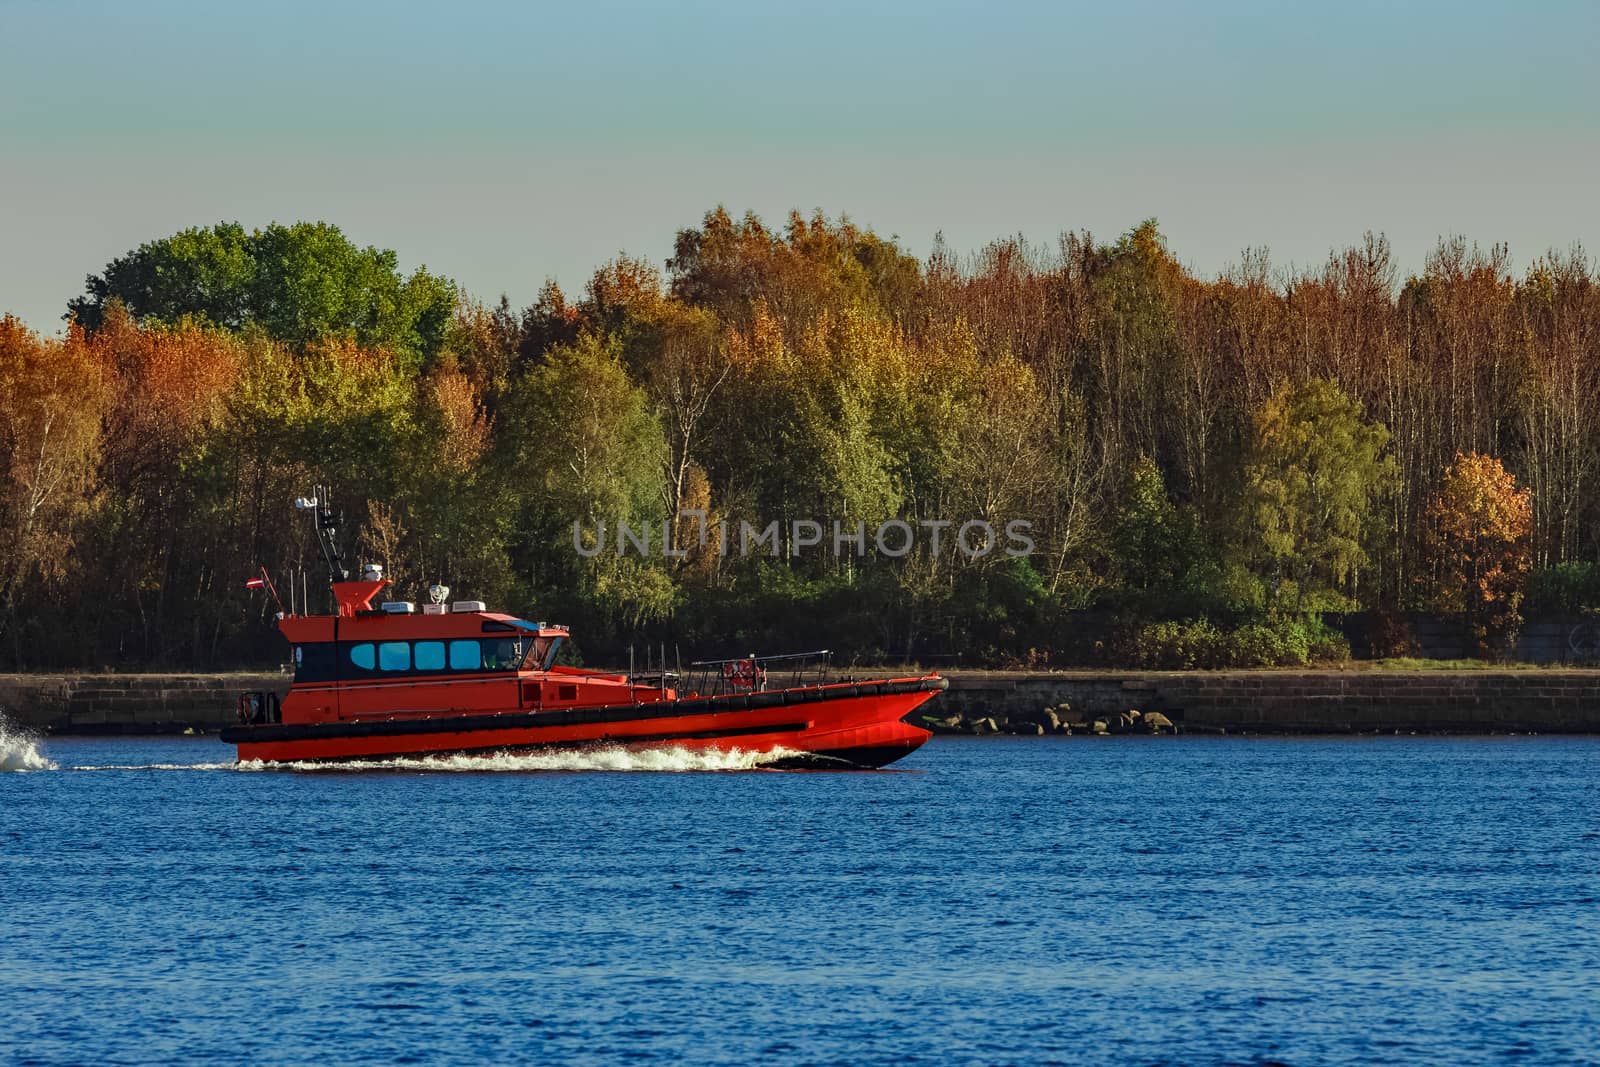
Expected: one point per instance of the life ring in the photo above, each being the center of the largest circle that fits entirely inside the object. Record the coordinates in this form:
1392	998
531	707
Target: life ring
741	673
255	707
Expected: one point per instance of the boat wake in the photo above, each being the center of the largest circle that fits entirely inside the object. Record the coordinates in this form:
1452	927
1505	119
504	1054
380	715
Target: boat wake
657	760
589	759
154	767
19	749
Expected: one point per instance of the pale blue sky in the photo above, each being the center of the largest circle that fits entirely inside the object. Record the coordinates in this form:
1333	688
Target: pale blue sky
505	142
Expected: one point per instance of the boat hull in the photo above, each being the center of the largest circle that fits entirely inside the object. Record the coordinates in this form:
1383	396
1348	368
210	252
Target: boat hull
858	724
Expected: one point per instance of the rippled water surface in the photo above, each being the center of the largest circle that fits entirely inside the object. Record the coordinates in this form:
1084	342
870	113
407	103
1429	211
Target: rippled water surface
990	901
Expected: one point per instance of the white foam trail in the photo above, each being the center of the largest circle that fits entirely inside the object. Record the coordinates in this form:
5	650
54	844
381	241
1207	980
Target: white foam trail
589	759
19	749
157	767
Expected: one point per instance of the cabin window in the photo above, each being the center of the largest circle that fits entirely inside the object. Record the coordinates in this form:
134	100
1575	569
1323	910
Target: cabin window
313	663
428	656
394	656
538	650
465	656
541	653
501	654
363	656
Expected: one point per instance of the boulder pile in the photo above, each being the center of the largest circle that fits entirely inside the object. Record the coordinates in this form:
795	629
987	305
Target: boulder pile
1059	719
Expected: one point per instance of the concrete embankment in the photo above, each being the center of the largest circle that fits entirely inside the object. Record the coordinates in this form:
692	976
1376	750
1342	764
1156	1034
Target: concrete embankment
1305	701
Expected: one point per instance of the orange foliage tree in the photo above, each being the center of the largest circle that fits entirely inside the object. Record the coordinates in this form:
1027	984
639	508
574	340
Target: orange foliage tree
55	392
1480	532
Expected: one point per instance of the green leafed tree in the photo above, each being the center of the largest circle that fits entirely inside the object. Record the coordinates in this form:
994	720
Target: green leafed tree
300	283
1315	475
585	448
1165	563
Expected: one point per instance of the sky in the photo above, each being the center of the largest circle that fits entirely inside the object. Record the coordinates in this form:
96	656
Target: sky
503	143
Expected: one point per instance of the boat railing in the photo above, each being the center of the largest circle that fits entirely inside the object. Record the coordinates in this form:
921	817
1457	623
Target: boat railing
748	674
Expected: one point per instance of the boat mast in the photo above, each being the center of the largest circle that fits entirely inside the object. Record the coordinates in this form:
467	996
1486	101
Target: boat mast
326	523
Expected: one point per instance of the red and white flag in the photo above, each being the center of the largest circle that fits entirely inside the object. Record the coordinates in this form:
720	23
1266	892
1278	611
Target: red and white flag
256	583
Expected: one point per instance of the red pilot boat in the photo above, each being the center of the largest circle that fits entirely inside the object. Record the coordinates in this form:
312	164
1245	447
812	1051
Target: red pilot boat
377	682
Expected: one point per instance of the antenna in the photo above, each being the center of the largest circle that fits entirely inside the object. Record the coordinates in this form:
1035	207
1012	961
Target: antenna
327	526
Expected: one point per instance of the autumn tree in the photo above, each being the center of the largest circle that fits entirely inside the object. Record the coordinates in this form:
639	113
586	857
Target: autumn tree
549	321
1556	412
1136	286
49	445
167	388
459	500
815	265
683	363
1479	530
483	343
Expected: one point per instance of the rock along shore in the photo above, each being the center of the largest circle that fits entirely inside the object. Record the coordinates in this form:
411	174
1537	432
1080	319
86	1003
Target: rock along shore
978	702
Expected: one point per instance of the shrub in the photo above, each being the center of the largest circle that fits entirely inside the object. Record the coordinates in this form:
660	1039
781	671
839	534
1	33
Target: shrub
1171	646
1268	645
1326	645
1198	644
1565	589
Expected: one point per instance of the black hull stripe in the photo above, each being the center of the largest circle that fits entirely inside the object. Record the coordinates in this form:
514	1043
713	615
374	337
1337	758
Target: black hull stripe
579	716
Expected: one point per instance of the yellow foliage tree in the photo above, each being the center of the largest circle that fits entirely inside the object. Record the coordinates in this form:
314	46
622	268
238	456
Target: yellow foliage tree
1480	528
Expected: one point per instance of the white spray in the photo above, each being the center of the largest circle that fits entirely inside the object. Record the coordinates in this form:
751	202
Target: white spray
19	748
666	759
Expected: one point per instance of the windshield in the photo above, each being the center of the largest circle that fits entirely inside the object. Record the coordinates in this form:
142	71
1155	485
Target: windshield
503	653
541	653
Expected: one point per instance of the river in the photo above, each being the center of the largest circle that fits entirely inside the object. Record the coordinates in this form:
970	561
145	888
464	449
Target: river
987	901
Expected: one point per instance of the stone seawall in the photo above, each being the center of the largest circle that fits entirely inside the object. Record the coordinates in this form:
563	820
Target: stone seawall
1303	701
1307	701
128	703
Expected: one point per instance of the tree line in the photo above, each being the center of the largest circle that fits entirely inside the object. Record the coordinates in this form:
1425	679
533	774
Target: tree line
1208	468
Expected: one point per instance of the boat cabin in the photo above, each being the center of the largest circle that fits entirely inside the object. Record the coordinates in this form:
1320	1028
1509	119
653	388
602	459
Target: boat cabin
394	662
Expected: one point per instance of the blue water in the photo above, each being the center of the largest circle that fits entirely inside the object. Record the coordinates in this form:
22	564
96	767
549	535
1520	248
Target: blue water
986	901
